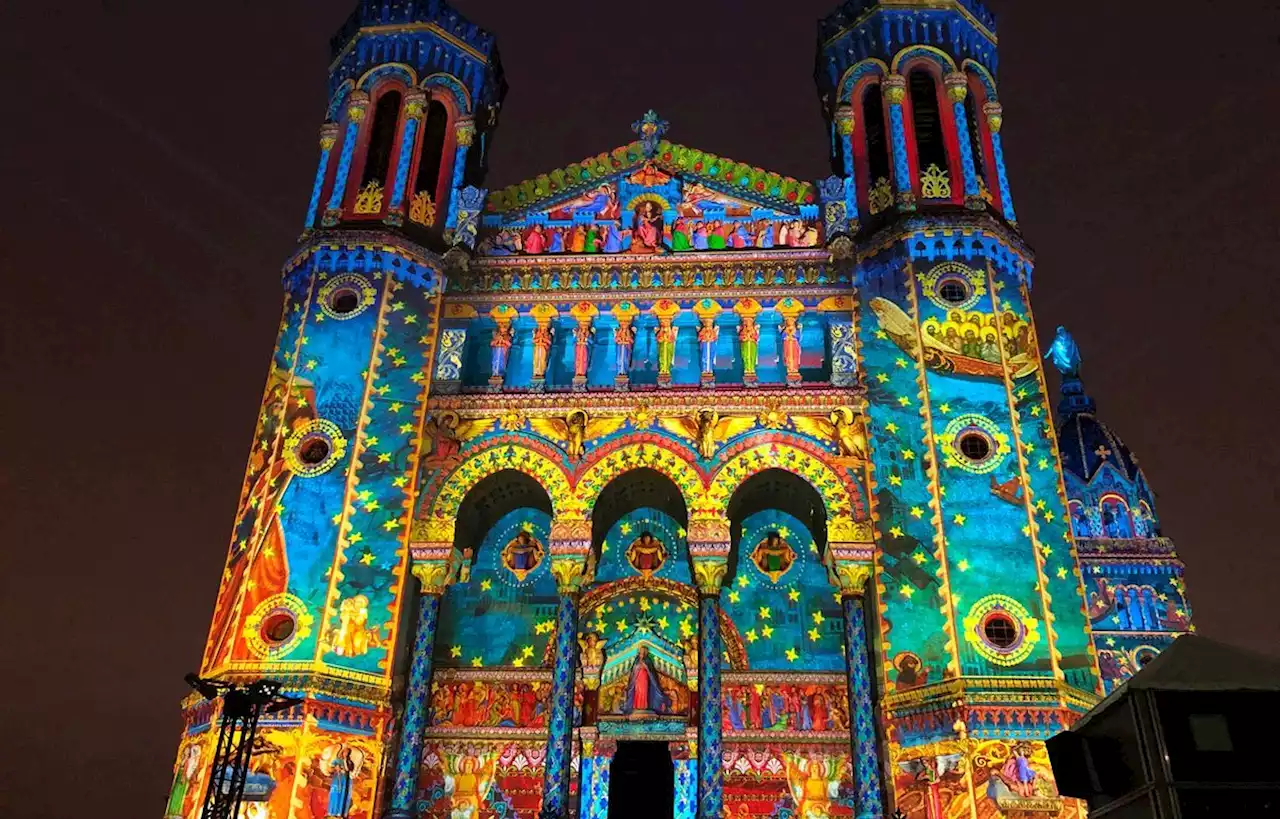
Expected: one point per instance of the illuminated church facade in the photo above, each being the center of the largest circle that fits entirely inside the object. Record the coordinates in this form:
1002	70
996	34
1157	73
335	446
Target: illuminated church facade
665	476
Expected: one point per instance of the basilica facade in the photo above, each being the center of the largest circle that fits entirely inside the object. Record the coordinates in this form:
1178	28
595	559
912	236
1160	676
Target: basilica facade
663	476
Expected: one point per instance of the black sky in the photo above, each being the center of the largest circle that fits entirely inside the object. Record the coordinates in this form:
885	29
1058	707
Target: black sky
155	160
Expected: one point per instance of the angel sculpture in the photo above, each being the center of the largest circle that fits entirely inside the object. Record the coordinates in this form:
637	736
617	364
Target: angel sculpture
467	781
575	430
444	433
706	428
844	428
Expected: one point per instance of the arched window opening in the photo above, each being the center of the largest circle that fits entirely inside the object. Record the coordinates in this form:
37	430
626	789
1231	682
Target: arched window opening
1079	522
1116	522
931	147
879	190
377	161
423	205
972	114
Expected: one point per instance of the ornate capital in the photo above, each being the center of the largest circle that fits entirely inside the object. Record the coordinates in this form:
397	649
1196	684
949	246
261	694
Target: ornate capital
850	566
415	103
465	131
434	575
844	119
709	572
357	103
995	116
957	83
329	135
570	572
895	88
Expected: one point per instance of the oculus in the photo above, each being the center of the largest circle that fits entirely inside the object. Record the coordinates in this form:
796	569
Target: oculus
773	556
314	448
277	626
1001	630
522	555
346	296
647	554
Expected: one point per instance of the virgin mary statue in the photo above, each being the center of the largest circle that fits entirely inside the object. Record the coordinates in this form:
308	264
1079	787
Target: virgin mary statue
644	695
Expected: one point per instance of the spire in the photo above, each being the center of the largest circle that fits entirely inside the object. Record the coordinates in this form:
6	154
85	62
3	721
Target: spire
1066	359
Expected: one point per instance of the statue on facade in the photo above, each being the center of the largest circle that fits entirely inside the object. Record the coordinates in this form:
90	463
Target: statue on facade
1065	354
644	693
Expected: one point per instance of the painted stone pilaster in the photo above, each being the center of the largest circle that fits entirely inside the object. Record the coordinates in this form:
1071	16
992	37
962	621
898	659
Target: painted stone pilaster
665	336
684	761
544	334
791	310
415	104
465	133
500	344
748	311
624	340
895	91
328	138
995	120
852	566
570	547
357	105
433	568
584	314
957	89
709	546
845	120
708	334
597	758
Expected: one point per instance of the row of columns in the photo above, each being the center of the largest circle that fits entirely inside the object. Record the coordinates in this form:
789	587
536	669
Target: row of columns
436	564
895	92
411	118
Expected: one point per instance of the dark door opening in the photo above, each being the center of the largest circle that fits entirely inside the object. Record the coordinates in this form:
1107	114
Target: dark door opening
641	781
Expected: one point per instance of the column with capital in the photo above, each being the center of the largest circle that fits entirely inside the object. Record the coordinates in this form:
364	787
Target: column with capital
684	762
851	566
570	547
584	314
357	104
415	104
464	132
709	545
500	344
328	138
895	91
845	120
624	340
790	309
434	565
597	758
957	84
994	112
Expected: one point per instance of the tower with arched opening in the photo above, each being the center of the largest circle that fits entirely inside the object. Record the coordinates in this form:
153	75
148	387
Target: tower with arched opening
663	476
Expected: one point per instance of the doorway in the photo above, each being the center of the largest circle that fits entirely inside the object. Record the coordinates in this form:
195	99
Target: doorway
641	781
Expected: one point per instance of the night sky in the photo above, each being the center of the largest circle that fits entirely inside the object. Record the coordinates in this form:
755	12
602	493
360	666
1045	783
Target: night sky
155	162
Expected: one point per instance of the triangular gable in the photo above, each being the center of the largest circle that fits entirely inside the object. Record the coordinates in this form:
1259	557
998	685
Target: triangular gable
677	200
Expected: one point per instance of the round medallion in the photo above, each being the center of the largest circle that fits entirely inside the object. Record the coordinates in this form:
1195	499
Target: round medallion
646	554
313	448
773	556
953	286
346	296
522	555
1001	630
975	444
277	625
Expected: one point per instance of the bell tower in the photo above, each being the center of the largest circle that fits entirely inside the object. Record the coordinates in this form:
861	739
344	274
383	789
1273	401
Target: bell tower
315	592
984	645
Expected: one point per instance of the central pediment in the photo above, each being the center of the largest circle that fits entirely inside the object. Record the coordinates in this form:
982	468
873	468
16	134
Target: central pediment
651	196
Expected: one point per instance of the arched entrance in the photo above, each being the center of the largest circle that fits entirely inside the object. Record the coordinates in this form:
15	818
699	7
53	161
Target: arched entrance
640	781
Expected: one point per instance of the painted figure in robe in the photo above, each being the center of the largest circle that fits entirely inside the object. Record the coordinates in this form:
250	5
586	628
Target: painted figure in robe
644	693
646	236
500	347
542	338
791	348
646	554
666	338
708	333
749	339
624	337
581	349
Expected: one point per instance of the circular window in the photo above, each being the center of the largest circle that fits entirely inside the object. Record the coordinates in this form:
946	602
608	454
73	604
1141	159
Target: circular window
346	296
953	291
278	626
974	445
314	448
344	301
1000	630
1143	655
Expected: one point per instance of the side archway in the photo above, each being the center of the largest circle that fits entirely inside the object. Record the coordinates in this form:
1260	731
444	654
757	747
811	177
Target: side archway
663	458
480	464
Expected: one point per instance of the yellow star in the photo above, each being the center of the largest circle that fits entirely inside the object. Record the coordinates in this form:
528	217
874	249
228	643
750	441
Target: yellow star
891	427
767	632
895	531
919	558
959	520
751	636
1111	641
1043	463
391	525
908	455
384	458
882	335
917	512
894	480
793	595
455	651
527	651
405	429
486	584
371	441
336	519
963	565
311	364
476	662
400	481
621	626
813	634
1062	572
410	319
882	378
364	495
395	406
906	591
902	363
818	618
734	597
662	623
944	408
1040	504
1048	515
367	558
371	506
792	655
904	401
764	613
1036	410
743	582
518	662
354	538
